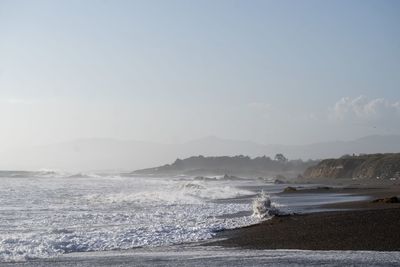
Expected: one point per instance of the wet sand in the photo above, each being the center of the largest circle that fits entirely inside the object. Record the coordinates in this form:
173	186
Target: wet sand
363	226
172	256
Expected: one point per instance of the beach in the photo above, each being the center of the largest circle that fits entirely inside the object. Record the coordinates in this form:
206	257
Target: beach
363	234
111	220
355	225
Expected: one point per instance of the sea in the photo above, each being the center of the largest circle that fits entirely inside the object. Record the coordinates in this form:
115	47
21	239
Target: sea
51	218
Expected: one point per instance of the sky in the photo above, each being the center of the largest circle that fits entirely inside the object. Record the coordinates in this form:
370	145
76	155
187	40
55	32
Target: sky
272	72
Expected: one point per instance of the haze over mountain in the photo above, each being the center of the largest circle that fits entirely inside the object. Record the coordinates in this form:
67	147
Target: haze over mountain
273	72
119	155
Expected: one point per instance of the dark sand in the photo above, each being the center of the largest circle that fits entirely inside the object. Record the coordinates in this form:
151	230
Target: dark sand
368	226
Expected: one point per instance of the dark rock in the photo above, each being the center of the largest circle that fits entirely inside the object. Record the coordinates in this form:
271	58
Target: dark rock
230	177
324	187
289	189
387	200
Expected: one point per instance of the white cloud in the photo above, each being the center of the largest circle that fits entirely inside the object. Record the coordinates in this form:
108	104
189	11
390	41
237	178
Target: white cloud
362	108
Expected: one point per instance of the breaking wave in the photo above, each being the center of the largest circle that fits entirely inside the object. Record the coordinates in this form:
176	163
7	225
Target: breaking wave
48	173
43	217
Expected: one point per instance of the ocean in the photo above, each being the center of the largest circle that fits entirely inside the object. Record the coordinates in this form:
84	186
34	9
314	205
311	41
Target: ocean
49	218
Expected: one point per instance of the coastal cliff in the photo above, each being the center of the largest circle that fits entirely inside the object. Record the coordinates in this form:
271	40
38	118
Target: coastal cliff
378	166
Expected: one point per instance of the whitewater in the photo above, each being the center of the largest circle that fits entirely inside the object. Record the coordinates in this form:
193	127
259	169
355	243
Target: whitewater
51	218
45	214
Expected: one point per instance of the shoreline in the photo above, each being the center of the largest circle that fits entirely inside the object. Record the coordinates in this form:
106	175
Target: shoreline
360	225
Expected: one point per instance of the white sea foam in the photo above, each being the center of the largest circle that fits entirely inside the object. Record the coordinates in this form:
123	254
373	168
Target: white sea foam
44	214
43	217
173	192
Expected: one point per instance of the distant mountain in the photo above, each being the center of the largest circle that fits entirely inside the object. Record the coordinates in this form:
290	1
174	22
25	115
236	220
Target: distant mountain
110	154
86	155
365	145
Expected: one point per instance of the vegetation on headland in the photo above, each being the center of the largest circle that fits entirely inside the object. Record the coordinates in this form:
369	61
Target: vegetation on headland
236	165
378	166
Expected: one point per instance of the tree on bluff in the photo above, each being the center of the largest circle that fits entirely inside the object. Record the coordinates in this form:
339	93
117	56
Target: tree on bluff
281	158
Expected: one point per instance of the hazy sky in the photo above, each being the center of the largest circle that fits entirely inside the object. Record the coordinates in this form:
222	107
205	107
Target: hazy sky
290	72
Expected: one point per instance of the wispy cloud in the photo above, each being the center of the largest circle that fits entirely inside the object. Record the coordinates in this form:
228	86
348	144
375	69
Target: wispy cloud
362	108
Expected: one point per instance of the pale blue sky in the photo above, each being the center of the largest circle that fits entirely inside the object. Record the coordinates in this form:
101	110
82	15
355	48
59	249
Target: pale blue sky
290	72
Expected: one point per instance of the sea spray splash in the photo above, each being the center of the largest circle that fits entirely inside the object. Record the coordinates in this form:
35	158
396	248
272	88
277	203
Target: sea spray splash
263	206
